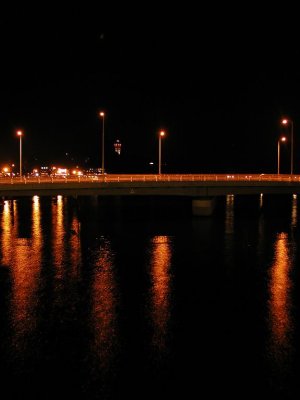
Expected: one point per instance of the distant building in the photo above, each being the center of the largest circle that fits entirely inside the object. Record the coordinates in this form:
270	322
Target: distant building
117	146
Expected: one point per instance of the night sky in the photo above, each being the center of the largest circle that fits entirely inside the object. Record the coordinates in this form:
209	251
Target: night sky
218	82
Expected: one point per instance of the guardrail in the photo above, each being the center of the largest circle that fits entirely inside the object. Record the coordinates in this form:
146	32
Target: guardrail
153	178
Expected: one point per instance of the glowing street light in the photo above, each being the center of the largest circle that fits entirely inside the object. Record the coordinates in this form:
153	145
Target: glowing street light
286	122
20	134
161	134
282	139
102	115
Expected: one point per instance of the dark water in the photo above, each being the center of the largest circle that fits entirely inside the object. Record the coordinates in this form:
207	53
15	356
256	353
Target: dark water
102	299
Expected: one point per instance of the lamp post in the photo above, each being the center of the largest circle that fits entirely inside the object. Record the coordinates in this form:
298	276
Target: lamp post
282	139
161	134
102	115
20	134
286	122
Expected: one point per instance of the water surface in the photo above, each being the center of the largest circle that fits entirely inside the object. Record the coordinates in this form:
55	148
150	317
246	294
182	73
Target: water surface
102	298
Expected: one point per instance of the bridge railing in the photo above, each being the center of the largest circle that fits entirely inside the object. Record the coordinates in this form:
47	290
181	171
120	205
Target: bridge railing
153	178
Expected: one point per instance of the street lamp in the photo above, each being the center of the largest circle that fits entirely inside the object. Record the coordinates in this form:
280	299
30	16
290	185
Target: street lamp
102	115
20	134
286	122
161	134
282	139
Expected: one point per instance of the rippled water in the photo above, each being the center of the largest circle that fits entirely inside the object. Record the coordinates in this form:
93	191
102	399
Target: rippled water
108	298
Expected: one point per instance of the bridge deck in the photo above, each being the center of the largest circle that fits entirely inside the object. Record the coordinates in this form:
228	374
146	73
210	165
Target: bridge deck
194	185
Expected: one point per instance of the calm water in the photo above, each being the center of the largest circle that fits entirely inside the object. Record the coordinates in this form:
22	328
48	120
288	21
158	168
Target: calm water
101	299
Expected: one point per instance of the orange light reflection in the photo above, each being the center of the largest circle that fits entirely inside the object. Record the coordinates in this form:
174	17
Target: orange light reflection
280	301
229	214
75	247
160	274
58	235
294	211
229	239
104	306
25	264
8	232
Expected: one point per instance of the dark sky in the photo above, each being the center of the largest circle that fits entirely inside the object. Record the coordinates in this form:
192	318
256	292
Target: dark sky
217	80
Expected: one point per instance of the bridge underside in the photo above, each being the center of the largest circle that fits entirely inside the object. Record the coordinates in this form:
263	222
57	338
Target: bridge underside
191	189
203	206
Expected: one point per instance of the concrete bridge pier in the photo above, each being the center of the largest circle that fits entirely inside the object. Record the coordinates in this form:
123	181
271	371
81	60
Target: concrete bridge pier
203	206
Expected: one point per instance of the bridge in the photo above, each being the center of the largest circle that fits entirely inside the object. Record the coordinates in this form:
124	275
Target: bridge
202	188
